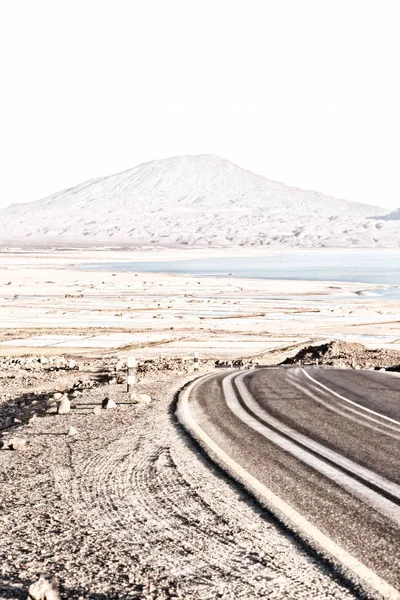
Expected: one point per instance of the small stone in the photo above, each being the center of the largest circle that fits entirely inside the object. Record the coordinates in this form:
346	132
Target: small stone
57	396
64	407
72	431
134	397
145	399
45	588
107	403
97	410
73	365
16	444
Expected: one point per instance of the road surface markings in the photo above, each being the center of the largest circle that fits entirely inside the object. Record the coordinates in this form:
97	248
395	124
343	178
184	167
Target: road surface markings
360	406
353	486
334	457
279	507
360	417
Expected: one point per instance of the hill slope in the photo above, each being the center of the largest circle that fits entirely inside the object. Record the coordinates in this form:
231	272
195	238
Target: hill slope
393	216
197	201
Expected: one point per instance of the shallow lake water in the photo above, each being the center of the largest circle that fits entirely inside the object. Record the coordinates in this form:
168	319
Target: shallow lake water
380	266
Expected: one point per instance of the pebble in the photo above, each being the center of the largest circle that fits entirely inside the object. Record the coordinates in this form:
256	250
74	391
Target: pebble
107	403
137	398
145	399
64	407
15	444
45	588
134	397
72	431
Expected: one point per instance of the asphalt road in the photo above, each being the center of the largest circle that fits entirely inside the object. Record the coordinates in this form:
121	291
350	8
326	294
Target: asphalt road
326	441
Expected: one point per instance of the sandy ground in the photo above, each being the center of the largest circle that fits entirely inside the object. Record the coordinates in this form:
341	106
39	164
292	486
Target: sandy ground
129	508
45	300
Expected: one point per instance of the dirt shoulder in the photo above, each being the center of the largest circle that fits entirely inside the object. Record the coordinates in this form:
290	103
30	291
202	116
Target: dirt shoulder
129	508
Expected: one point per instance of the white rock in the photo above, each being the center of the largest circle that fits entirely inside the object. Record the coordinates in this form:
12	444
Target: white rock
72	431
134	397
64	407
108	403
57	396
97	410
16	444
45	588
145	399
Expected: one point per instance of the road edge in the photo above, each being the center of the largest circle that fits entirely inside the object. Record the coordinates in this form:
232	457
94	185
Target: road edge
329	550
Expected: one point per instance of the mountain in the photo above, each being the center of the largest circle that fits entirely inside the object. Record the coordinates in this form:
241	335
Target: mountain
393	216
193	201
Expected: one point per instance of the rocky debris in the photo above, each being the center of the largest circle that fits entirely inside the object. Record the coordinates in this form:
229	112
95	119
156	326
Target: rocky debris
180	366
45	588
37	363
15	443
108	403
84	384
64	406
121	365
72	431
350	355
240	363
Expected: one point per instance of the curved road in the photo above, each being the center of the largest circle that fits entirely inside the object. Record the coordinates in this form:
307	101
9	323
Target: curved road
325	442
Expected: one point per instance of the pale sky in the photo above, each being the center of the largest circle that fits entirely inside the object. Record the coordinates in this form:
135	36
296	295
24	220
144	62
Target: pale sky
301	91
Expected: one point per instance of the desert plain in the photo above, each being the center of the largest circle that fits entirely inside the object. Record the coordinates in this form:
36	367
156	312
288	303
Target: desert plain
120	503
56	300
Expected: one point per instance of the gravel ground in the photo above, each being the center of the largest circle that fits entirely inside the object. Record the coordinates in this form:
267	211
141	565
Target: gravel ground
128	508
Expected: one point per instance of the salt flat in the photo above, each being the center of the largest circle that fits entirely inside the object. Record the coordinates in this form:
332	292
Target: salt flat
47	303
